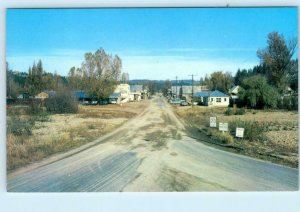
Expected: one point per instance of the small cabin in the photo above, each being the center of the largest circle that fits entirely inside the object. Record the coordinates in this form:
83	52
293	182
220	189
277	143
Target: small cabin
216	98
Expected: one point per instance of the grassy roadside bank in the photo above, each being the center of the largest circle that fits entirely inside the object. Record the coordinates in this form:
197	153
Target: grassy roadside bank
269	135
31	138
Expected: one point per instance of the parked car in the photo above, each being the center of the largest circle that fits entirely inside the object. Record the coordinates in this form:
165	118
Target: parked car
85	102
184	103
94	102
103	102
113	101
176	101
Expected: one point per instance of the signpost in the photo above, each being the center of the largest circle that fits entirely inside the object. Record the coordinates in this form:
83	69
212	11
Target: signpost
213	121
223	127
239	132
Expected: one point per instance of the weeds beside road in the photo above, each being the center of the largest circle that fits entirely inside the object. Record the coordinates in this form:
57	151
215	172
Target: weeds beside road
33	137
269	135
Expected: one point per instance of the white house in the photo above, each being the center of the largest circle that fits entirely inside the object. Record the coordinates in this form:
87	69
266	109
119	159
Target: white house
124	90
199	96
216	98
115	98
233	92
136	92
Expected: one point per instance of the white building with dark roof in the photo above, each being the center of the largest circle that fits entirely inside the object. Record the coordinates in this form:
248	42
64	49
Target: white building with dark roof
233	92
213	98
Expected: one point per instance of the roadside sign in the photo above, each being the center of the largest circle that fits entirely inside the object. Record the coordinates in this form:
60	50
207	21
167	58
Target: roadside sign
213	121
239	132
223	127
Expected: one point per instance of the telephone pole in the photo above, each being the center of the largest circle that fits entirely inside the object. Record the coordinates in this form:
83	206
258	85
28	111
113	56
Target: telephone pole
176	87
193	89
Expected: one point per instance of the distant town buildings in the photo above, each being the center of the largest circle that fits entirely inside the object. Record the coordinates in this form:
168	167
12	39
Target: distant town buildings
186	90
128	93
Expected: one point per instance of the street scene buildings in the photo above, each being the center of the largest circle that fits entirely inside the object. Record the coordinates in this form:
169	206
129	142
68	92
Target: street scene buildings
152	100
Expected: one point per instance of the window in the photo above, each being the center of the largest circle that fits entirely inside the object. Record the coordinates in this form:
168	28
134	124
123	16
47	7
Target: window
212	99
225	99
218	99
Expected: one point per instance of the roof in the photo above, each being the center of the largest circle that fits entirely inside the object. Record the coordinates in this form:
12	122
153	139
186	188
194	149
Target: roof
234	90
215	93
80	94
134	88
202	94
115	95
42	95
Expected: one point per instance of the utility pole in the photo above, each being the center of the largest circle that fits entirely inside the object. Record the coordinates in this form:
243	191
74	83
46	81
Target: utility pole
180	90
176	87
192	89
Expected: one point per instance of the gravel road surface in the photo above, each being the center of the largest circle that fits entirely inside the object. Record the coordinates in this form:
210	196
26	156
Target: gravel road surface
151	152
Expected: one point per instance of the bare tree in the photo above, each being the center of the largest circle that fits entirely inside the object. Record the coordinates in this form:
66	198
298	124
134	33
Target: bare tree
100	72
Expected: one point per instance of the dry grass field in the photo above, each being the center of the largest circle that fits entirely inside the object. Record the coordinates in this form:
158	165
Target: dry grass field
62	132
272	135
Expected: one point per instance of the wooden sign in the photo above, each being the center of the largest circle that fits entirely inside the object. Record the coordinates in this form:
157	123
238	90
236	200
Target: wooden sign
213	121
239	132
223	127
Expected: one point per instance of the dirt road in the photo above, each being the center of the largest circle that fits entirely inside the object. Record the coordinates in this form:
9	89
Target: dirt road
151	153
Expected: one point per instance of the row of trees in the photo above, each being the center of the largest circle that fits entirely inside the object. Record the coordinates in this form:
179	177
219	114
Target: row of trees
218	81
98	76
32	82
267	84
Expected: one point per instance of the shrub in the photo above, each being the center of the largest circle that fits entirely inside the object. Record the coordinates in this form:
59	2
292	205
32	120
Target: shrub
19	127
240	111
294	102
42	117
34	108
229	112
225	138
62	102
258	93
253	129
288	102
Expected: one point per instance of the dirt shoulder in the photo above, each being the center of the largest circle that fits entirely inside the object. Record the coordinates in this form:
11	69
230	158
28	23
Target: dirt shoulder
277	142
63	132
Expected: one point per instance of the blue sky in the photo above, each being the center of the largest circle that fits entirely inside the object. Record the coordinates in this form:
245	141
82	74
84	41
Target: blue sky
152	43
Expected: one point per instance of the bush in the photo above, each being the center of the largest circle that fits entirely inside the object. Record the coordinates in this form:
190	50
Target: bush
240	111
34	108
253	129
62	102
229	112
224	138
19	127
294	102
42	117
288	103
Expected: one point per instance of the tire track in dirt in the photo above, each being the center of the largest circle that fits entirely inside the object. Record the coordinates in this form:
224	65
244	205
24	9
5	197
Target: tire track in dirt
110	174
128	160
